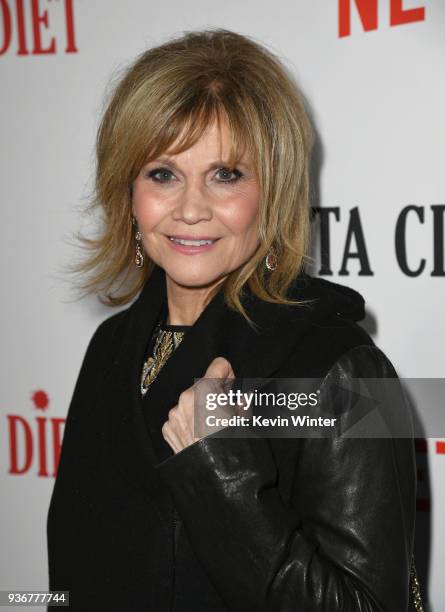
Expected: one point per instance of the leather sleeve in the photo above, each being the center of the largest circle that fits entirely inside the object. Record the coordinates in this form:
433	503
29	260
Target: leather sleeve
345	541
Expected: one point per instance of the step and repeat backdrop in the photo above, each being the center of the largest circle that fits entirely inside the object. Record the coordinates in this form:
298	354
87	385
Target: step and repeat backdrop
372	72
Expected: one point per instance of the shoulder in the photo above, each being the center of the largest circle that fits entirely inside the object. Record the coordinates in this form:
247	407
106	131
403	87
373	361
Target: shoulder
104	337
106	330
333	315
364	360
348	347
96	358
338	330
328	341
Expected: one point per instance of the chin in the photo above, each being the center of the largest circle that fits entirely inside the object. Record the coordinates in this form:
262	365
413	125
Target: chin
194	279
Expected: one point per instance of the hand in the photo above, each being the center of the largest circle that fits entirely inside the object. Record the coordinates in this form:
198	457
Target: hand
178	430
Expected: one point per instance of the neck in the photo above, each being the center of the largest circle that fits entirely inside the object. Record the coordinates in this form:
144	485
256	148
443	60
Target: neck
185	304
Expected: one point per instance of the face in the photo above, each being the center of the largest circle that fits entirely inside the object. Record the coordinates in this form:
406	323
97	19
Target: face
198	217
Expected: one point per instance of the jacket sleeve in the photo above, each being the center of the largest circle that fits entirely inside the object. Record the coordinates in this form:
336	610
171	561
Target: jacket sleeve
345	541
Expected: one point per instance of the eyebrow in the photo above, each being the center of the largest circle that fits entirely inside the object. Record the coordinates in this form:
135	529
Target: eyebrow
164	159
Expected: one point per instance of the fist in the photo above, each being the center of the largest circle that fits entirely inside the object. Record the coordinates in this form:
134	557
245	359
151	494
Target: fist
178	430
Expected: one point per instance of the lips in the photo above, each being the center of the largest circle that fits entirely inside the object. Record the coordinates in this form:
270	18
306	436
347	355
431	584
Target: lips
192	241
192	245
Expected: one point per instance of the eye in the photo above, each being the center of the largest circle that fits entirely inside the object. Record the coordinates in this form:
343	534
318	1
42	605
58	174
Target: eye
225	174
160	175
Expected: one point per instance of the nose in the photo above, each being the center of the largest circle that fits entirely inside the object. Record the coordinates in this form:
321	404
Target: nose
194	205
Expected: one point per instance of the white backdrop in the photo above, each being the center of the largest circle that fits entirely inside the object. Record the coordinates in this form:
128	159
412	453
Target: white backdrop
376	96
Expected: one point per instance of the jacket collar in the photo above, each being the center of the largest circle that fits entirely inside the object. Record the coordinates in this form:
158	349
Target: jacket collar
219	331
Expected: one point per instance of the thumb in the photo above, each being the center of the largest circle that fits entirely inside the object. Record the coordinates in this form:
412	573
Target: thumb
220	367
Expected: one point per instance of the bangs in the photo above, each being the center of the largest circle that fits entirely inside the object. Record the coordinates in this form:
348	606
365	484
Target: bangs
189	122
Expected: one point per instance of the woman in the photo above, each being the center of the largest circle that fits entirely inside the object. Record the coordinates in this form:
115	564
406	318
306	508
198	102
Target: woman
202	177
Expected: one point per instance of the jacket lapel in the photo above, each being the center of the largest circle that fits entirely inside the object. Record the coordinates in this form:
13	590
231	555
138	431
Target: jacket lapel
130	443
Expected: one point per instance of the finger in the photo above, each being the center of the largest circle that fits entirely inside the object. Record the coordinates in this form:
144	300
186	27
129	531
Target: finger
186	412
185	427
171	437
176	428
181	417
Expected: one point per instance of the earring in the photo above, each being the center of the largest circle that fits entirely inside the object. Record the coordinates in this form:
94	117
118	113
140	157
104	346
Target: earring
271	259
139	259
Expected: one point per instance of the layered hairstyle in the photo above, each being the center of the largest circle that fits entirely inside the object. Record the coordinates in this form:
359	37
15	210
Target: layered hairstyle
168	96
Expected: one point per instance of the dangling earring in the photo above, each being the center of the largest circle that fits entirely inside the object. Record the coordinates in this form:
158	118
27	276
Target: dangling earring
271	259
139	259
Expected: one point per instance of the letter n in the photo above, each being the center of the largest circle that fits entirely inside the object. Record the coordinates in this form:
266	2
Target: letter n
367	10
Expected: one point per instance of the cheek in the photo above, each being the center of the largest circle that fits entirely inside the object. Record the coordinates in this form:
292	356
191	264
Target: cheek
241	216
148	209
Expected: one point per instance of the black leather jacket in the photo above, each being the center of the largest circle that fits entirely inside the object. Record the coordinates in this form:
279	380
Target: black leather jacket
315	524
243	524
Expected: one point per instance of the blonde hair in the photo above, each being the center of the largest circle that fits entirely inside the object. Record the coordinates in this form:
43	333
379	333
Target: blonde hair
188	82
